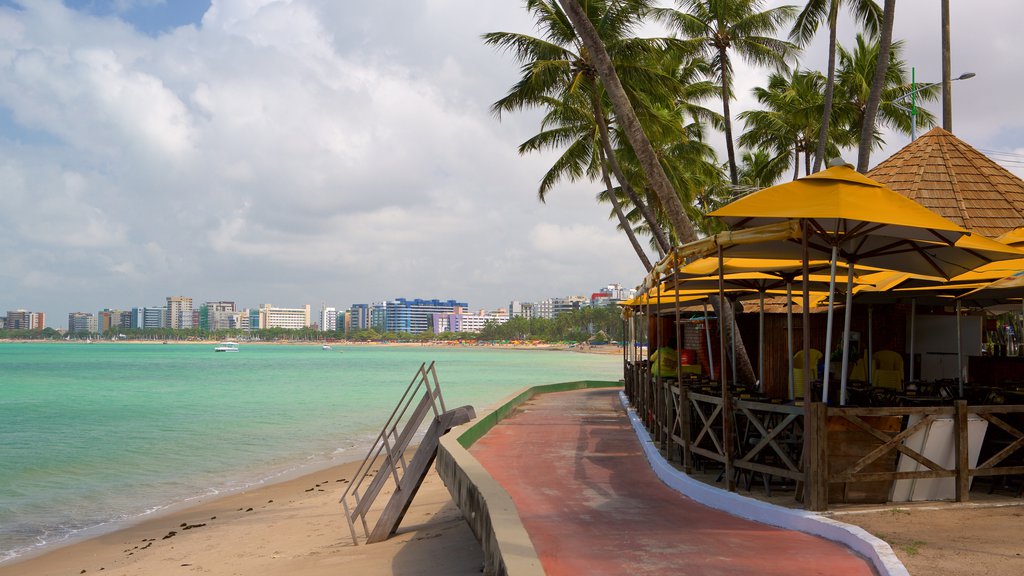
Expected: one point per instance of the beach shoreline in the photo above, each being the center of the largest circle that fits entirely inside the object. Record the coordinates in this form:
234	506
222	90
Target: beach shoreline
291	526
557	347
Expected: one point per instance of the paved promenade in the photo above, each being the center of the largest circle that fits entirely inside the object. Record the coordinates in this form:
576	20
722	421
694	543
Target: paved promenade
592	505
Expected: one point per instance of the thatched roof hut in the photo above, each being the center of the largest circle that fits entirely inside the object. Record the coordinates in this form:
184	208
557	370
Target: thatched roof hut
948	176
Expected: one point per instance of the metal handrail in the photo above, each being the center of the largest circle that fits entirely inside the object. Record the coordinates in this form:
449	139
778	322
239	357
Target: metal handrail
393	440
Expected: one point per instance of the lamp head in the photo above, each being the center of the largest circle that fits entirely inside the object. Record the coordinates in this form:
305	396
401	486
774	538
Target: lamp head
966	75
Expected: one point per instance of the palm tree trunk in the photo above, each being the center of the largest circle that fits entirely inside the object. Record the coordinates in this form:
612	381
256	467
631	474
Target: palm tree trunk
617	208
609	153
648	160
631	125
867	129
727	116
796	160
947	75
830	86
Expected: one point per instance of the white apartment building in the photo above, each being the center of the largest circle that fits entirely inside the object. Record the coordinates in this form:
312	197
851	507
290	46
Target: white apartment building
291	318
467	322
328	319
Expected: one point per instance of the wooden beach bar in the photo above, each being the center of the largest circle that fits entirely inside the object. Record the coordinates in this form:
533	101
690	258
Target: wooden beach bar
882	319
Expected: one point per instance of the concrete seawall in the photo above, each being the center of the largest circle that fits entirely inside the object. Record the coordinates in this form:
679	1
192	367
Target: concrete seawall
488	508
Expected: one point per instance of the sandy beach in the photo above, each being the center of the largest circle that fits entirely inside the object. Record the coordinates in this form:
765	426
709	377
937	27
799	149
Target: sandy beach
291	527
297	527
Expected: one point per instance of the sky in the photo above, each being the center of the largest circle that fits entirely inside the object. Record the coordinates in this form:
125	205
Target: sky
312	151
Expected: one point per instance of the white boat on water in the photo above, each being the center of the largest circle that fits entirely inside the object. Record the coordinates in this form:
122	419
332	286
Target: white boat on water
227	347
326	346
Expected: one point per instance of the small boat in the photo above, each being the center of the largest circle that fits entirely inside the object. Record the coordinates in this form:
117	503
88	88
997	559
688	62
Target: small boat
227	347
326	346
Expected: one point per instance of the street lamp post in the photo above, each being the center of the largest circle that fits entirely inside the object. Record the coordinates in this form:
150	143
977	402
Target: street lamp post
914	89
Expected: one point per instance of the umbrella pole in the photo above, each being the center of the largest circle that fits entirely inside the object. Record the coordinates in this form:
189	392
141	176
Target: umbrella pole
760	344
959	353
844	378
707	336
828	325
806	321
789	333
913	318
732	341
871	345
679	338
727	415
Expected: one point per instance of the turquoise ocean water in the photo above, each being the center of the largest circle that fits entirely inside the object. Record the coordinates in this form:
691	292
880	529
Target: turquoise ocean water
96	435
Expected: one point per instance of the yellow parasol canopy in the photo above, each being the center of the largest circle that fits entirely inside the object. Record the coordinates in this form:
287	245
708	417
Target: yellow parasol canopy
841	201
1013	237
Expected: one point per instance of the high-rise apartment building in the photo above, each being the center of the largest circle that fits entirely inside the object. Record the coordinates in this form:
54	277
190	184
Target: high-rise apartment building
291	318
379	316
215	316
179	312
24	320
328	319
468	322
416	316
108	320
151	317
81	323
358	318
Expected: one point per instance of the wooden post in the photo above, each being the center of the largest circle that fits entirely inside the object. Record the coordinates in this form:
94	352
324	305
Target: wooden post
684	406
816	483
963	463
667	418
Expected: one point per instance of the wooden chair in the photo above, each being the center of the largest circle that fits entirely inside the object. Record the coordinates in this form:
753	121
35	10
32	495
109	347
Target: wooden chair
799	378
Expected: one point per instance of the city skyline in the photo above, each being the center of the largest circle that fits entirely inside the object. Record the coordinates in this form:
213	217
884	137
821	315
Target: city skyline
315	309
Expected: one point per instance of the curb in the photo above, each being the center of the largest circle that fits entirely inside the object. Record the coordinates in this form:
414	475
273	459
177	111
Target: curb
874	549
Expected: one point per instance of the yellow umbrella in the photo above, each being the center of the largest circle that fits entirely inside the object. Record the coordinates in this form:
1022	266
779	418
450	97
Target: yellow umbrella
1008	287
1013	237
841	201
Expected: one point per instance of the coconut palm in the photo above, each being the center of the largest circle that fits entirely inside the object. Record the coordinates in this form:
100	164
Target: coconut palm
558	65
787	121
854	81
716	27
625	114
653	170
865	12
570	124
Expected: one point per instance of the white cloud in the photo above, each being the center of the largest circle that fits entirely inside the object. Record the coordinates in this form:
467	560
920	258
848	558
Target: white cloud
309	150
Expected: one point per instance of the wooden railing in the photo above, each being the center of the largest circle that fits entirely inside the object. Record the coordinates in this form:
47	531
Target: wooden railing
828	453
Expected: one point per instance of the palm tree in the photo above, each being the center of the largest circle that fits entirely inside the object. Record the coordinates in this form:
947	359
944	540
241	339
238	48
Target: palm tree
717	26
855	79
866	12
558	65
787	122
878	80
625	113
571	124
653	171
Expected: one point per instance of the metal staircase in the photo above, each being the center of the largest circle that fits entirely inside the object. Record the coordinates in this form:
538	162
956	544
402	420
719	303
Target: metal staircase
385	465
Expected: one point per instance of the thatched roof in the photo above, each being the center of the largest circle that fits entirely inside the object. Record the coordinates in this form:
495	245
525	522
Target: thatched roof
947	176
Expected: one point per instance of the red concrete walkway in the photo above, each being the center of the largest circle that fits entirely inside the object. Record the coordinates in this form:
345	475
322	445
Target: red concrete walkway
592	505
